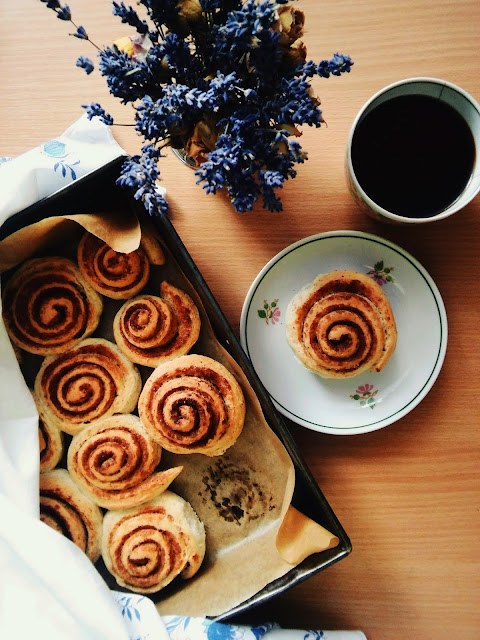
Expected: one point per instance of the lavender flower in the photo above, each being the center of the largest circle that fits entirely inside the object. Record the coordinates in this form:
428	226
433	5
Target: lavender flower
81	33
127	79
129	16
95	110
227	80
63	13
290	105
85	63
177	55
336	66
163	13
140	174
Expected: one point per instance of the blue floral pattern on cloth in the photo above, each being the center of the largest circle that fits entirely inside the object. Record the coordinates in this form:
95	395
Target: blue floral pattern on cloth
129	610
143	622
55	149
58	150
181	628
140	616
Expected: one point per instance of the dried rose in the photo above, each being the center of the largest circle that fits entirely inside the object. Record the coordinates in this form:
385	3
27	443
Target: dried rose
297	52
190	10
125	45
289	25
202	141
136	47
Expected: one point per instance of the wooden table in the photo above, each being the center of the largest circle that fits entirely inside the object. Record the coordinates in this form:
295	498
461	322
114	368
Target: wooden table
408	495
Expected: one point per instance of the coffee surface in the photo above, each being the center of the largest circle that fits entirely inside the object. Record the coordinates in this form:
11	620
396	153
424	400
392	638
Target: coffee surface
413	155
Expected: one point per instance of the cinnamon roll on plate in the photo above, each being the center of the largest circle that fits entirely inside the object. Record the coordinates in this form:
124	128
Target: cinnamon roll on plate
341	325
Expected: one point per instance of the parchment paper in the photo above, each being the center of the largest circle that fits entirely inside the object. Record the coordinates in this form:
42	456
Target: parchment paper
243	496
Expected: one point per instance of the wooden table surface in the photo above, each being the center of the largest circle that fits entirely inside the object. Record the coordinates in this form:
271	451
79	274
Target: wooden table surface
408	495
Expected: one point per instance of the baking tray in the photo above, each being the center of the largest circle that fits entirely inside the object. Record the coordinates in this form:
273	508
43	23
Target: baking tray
97	192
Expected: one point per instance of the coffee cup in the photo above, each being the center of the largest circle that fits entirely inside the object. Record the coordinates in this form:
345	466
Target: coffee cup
412	151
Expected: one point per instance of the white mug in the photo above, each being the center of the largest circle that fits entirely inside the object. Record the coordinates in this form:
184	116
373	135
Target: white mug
461	102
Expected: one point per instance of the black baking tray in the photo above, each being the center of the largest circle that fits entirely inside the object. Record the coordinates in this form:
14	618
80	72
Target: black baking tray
98	192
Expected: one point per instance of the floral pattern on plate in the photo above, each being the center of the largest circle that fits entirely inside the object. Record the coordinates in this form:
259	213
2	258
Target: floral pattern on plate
381	274
365	393
270	312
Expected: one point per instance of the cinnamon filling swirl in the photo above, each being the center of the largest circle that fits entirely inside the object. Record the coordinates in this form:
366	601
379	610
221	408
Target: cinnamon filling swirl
113	461
193	404
147	547
114	274
341	324
50	444
89	382
150	329
66	509
48	307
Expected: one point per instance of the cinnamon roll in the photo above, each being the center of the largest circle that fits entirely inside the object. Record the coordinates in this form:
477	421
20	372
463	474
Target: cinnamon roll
114	274
91	381
341	325
50	441
151	245
113	461
66	509
193	404
150	330
148	546
48	306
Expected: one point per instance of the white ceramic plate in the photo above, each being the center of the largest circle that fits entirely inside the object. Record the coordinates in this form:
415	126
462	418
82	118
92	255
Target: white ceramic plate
369	401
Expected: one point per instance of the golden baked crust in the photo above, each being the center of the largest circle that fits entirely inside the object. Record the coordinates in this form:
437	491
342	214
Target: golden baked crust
65	508
113	461
48	306
150	329
91	381
151	244
111	273
146	547
50	441
193	404
341	324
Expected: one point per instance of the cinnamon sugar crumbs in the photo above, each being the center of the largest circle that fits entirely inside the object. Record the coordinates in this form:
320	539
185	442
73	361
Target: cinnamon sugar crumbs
234	492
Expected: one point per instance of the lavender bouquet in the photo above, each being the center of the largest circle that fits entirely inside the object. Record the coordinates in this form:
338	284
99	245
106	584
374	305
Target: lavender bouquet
227	81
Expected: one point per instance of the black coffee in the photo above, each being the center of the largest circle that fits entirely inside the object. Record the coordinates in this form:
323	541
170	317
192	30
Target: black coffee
413	155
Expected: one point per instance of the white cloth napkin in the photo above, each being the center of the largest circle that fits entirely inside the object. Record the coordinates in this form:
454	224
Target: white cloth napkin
85	146
48	587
